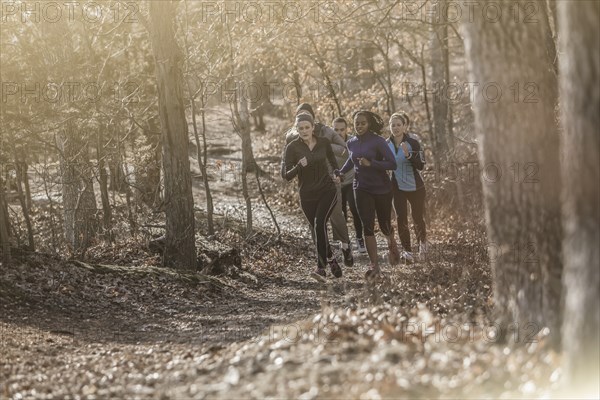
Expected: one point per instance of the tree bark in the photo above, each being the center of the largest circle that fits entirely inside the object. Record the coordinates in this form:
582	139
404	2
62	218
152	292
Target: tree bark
79	200
4	230
21	168
580	99
242	118
439	72
202	164
26	185
148	174
366	60
180	247
518	149
436	157
550	39
103	181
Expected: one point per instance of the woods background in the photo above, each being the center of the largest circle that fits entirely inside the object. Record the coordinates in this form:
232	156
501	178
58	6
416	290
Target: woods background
122	122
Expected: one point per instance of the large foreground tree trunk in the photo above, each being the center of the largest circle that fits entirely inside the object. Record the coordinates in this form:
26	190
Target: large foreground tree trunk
518	147
580	100
180	248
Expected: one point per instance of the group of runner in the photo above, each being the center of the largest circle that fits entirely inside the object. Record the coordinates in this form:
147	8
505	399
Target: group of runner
363	172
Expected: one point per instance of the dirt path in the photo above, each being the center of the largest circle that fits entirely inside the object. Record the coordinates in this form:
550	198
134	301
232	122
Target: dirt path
65	328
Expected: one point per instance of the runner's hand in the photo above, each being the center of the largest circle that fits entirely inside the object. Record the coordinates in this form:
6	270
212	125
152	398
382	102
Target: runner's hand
404	148
303	162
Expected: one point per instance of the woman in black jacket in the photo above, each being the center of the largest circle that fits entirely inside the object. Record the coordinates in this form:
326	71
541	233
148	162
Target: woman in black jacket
307	157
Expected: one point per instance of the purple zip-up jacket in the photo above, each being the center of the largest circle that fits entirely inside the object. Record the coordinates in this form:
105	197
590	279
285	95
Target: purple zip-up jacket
373	179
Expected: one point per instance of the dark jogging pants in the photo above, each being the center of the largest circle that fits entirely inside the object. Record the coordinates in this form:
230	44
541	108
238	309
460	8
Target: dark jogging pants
417	206
369	205
317	213
348	198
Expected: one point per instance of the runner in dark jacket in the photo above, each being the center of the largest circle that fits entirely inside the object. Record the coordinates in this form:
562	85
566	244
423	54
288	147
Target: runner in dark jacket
339	227
371	158
309	157
340	126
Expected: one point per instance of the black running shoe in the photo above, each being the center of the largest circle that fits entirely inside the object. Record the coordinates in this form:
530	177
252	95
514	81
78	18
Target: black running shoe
336	270
348	259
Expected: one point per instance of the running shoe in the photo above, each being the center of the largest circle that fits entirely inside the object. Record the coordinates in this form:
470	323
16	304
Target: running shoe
407	257
319	275
348	259
372	273
360	245
336	270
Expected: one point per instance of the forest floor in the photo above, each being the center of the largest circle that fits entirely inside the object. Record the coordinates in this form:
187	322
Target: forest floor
119	325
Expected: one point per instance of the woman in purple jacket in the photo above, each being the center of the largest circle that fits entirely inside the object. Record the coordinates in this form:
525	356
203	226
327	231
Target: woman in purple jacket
372	158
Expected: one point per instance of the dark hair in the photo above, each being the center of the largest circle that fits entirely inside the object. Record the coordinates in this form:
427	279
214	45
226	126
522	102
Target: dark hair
402	115
305	107
340	119
374	120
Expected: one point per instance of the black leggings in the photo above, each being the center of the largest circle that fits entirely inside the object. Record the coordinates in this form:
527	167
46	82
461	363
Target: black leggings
368	205
348	197
317	213
417	206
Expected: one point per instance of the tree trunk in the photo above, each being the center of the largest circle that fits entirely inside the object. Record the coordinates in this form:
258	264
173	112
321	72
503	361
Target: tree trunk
439	83
366	60
79	200
4	230
26	186
552	12
320	61
147	175
432	138
20	169
242	119
117	173
202	163
518	148
297	87
550	39
580	98
180	247
390	81
202	158
103	181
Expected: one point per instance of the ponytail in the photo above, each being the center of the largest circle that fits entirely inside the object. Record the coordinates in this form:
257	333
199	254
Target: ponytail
375	121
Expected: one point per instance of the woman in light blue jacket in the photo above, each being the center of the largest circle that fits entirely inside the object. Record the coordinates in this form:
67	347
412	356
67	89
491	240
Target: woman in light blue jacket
407	184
